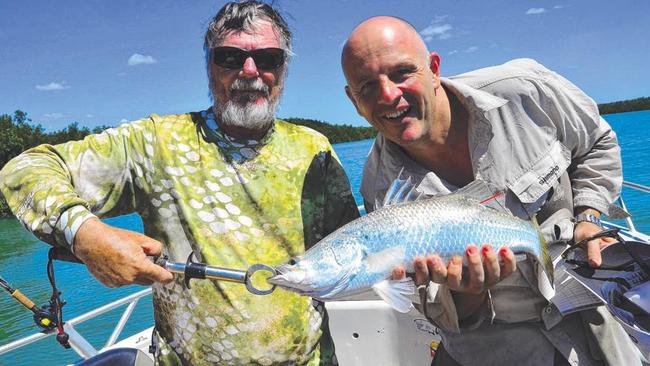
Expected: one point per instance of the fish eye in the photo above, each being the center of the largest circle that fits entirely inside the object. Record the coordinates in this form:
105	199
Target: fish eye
292	261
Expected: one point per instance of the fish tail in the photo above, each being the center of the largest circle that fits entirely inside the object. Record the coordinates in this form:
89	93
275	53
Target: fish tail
545	255
545	267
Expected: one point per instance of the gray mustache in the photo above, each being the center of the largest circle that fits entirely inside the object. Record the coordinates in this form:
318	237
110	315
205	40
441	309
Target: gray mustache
249	85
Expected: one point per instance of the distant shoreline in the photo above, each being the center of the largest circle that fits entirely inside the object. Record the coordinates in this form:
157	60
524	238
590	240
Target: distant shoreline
630	105
19	134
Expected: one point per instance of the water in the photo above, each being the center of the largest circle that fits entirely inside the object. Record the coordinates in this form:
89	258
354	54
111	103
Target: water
23	257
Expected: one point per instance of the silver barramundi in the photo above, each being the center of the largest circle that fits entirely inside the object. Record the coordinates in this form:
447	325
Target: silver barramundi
362	254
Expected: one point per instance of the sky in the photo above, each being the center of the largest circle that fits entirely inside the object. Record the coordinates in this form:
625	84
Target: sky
108	62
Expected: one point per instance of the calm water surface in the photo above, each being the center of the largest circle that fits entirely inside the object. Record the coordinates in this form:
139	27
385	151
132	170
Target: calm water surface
23	257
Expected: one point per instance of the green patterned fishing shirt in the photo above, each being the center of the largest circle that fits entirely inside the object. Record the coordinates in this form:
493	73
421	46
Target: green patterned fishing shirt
233	202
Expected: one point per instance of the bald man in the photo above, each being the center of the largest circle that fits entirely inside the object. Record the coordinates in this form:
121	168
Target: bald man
522	129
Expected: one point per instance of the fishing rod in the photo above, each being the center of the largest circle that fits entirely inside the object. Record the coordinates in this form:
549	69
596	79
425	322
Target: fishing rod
43	316
50	315
191	269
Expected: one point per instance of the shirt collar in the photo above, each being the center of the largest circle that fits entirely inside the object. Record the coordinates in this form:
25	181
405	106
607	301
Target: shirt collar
476	99
235	149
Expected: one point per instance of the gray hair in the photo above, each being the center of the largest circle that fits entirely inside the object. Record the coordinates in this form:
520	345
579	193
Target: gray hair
242	17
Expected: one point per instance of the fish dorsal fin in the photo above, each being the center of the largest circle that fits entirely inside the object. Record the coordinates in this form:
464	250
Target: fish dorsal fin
396	293
479	191
401	190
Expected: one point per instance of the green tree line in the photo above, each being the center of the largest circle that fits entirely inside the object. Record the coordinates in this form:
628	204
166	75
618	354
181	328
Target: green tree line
336	133
18	133
638	104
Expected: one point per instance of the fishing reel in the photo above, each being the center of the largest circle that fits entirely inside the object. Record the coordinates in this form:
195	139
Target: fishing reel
45	317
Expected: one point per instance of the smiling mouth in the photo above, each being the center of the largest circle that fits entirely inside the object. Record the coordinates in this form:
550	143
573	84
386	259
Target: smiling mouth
398	114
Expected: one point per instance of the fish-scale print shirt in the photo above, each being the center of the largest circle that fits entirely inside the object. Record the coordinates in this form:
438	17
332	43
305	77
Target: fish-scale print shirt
233	202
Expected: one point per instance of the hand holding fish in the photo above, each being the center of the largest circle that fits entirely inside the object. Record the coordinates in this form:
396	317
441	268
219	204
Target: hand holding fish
483	269
483	272
362	254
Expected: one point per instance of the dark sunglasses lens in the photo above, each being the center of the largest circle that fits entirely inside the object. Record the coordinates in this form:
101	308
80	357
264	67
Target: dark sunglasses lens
234	58
268	58
229	57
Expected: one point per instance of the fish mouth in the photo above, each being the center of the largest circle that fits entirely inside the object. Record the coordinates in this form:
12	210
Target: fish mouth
294	281
290	279
288	282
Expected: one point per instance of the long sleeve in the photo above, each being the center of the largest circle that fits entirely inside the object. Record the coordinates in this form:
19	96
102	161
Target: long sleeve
596	169
52	190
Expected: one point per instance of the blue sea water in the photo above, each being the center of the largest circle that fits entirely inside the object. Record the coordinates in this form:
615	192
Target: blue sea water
23	258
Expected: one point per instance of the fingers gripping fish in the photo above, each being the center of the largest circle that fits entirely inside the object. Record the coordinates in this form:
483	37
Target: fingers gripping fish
362	254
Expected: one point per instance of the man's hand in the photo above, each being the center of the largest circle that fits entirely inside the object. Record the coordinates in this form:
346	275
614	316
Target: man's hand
585	229
118	257
483	272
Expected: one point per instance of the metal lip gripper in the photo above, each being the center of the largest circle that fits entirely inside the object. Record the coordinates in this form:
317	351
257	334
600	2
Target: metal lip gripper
191	269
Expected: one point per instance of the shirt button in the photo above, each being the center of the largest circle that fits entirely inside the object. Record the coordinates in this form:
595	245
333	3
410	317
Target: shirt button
548	309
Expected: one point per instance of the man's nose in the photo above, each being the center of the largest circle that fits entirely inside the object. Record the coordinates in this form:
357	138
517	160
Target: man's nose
249	70
389	91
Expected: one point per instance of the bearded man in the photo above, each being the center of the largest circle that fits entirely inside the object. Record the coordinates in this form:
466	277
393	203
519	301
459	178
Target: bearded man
231	184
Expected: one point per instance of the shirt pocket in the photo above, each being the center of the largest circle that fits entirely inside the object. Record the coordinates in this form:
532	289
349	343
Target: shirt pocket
543	174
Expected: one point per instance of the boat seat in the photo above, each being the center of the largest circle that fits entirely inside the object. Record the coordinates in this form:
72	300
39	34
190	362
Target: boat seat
118	356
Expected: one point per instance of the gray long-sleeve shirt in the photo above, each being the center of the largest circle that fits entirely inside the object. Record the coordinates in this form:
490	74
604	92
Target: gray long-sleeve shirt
528	126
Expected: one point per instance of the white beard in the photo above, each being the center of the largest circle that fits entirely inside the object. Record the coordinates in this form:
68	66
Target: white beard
242	112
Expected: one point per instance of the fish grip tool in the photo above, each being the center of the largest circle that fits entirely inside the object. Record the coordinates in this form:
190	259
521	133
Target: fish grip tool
191	269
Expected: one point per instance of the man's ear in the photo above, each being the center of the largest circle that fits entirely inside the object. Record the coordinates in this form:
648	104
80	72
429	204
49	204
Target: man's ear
434	63
354	101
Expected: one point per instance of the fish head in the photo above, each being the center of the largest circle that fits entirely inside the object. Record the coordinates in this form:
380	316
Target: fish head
321	272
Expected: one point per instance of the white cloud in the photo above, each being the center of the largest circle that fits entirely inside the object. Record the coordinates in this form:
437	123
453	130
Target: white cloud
54	115
558	7
53	86
436	31
137	59
124	120
534	11
89	115
471	49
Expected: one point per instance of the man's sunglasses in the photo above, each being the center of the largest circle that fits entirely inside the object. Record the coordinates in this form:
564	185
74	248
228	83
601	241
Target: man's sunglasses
234	58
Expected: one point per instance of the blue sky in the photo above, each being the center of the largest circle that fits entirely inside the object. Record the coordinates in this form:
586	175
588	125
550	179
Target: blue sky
105	62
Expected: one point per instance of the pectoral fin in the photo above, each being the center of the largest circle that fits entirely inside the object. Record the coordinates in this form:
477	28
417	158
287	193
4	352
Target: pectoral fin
396	293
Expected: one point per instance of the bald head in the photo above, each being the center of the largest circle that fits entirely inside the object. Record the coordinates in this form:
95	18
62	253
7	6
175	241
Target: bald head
376	34
394	83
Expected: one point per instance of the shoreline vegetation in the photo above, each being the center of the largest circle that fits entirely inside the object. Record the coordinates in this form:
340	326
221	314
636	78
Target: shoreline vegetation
630	105
17	133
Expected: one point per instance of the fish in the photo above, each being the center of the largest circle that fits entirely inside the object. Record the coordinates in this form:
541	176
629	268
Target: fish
362	254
